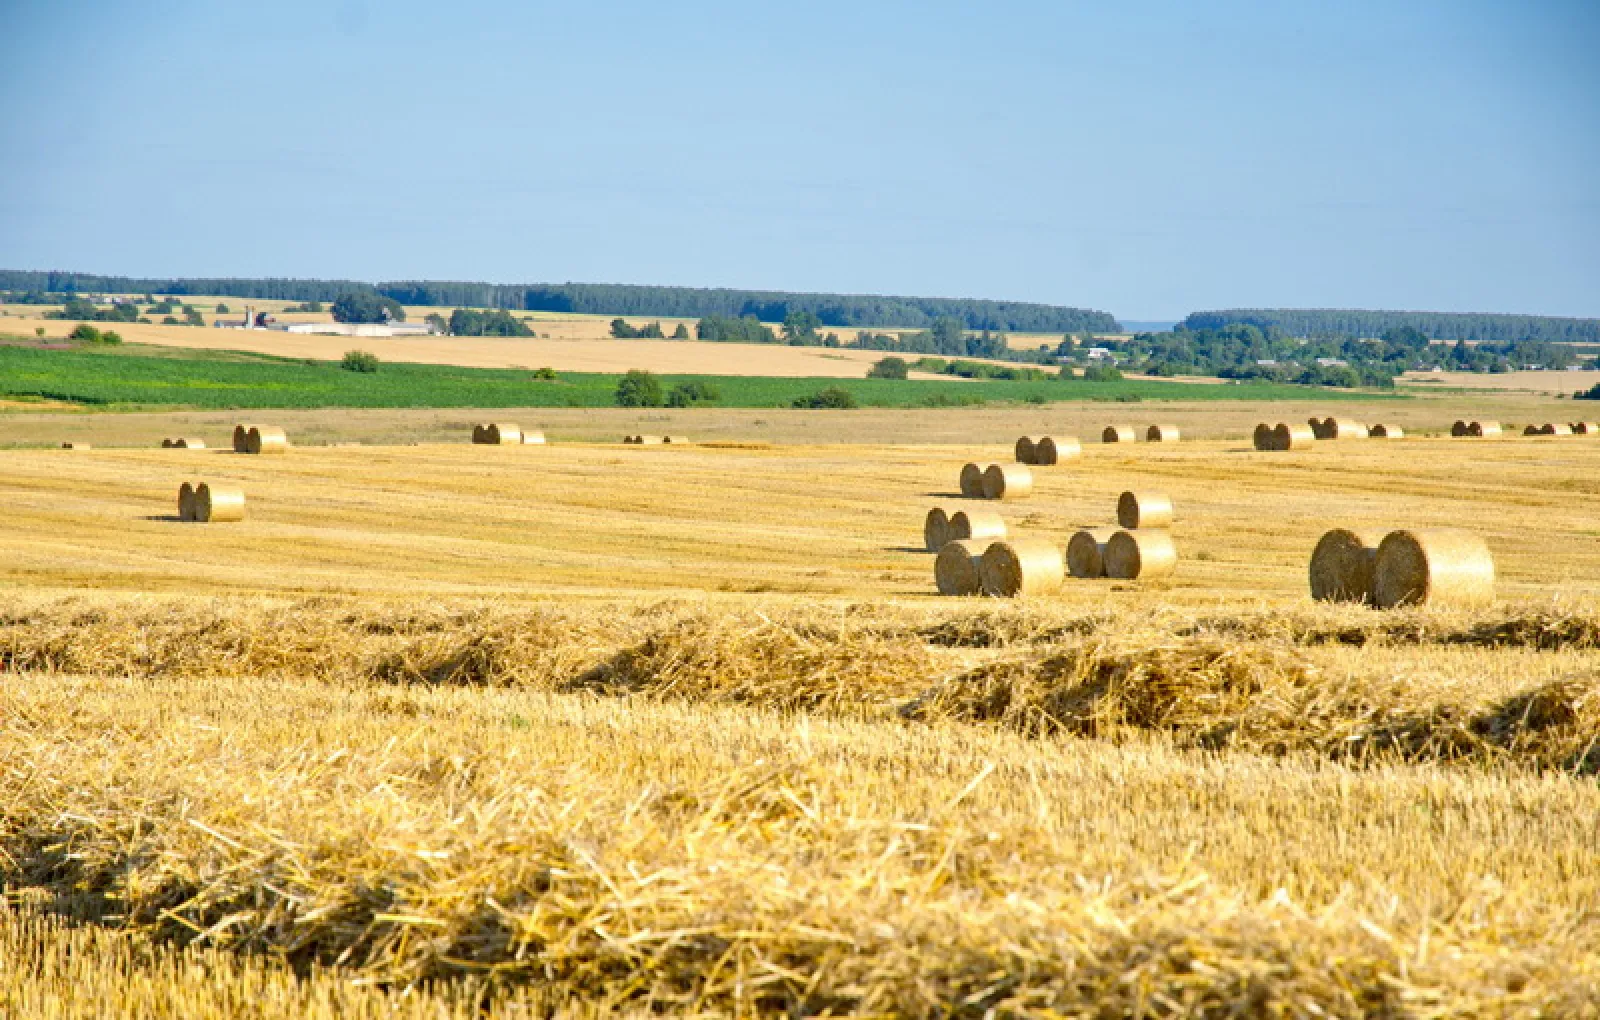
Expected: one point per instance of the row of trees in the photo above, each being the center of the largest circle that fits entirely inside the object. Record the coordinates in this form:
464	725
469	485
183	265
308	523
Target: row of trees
1315	323
472	322
832	310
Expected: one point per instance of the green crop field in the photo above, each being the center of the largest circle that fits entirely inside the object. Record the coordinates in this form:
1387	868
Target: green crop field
140	376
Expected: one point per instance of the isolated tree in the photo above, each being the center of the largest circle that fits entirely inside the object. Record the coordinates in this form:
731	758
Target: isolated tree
681	333
638	388
359	361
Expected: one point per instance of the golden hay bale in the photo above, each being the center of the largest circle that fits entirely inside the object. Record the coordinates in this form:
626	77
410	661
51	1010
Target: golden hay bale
502	434
265	439
1144	510
1483	429
675	440
533	439
935	529
76	446
647	440
166	444
1007	481
1444	566
972	481
1292	437
1140	555
1050	450
1533	430
1161	434
1086	552
1118	434
1030	566
188	443
1585	428
1342	565
956	570
1319	426
1460	428
186	502
1343	428
1381	431
241	438
1024	451
477	435
1261	438
629	440
216	505
1559	428
975	525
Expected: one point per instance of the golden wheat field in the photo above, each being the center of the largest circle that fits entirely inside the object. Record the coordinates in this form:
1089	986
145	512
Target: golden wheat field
586	729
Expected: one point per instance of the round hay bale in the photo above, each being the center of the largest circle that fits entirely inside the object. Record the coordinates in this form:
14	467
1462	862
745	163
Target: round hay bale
1444	566
166	444
935	529
533	439
956	570
1007	481
479	435
188	443
1144	510
1342	565
265	439
1533	430
216	505
1461	428
1292	437
647	440
1261	438
1319	427
1086	552
1161	434
1118	434
503	434
1585	428
1343	428
241	438
975	525
675	440
1386	432
628	440
1050	450
972	481
76	446
1483	429
1559	428
1029	566
186	502
1140	555
1024	450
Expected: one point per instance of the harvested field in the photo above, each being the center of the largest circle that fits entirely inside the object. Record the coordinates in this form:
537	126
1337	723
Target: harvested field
577	730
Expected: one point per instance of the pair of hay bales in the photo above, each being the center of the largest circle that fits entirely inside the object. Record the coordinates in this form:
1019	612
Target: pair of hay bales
259	439
1383	431
653	440
940	528
1141	550
997	481
1129	434
1585	428
1284	436
1475	429
1549	429
505	434
183	443
209	504
1337	428
1000	569
1444	566
1047	450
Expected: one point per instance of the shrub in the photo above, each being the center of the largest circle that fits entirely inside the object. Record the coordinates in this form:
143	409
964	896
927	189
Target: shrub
1102	373
546	374
834	398
109	337
359	361
84	333
639	388
889	368
691	393
222	309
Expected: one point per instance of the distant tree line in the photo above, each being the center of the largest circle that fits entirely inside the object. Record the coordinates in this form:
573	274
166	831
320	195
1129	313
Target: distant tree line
1314	323
830	310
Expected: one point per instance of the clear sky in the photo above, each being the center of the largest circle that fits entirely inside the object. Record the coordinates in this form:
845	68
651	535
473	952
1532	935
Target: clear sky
1145	157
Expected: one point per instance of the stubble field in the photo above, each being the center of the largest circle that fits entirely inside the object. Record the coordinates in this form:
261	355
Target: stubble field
585	728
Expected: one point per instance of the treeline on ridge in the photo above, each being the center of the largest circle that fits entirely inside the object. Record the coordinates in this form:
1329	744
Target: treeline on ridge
1320	323
837	310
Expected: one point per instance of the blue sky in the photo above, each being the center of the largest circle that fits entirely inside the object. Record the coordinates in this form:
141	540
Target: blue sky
1144	158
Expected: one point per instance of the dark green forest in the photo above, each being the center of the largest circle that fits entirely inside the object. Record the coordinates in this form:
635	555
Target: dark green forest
836	310
1320	323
